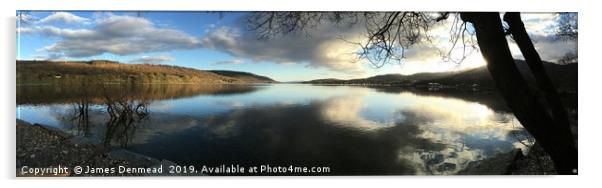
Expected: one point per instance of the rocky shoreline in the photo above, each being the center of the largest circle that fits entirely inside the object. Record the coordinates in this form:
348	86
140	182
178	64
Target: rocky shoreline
40	147
535	162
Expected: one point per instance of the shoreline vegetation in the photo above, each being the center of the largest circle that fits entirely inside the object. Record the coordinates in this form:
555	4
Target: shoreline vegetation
98	93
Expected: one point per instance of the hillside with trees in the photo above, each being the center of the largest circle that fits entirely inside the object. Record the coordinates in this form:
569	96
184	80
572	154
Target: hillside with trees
73	72
563	76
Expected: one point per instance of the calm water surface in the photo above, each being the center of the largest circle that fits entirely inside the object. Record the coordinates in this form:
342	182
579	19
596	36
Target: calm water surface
353	130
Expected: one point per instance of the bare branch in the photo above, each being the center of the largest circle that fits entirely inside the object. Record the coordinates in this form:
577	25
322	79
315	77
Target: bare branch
567	26
387	34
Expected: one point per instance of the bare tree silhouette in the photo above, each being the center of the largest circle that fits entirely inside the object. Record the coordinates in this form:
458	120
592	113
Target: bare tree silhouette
544	83
389	34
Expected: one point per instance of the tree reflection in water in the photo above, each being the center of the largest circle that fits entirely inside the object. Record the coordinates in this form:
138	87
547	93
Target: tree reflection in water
354	130
80	119
111	113
124	114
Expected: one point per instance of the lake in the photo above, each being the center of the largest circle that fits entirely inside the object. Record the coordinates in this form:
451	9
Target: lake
353	130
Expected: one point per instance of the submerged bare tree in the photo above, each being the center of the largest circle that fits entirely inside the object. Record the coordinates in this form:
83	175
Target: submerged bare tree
390	34
124	114
80	119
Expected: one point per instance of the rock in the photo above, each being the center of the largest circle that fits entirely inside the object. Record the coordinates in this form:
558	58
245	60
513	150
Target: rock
436	160
453	154
499	164
134	159
446	167
536	162
39	146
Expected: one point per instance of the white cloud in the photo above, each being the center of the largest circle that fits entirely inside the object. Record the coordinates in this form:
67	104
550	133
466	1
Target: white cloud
64	17
541	24
152	59
541	29
57	32
121	35
548	47
322	48
227	62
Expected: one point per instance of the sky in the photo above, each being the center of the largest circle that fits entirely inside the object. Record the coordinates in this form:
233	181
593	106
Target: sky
221	41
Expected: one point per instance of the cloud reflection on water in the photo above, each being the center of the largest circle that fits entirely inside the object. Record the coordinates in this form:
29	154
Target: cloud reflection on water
353	130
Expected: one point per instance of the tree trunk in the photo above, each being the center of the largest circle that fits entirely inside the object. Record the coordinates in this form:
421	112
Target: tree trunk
519	33
513	87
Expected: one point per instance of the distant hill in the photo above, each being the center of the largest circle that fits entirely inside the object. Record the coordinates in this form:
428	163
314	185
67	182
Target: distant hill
71	72
242	75
563	76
